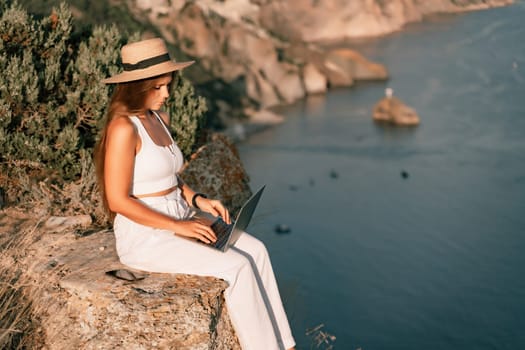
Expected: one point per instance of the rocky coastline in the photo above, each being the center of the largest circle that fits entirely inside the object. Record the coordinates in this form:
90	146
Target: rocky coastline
256	54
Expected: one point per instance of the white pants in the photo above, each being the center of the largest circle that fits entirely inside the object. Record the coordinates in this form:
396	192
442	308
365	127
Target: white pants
252	297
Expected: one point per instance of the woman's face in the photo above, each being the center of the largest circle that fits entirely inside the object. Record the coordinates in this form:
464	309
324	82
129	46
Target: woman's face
158	95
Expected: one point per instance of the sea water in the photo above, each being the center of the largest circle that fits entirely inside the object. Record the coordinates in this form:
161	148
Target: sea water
406	238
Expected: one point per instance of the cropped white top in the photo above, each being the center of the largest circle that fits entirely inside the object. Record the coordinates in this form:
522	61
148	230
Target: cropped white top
155	166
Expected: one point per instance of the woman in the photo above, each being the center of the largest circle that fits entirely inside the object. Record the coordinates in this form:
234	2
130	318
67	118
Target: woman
137	164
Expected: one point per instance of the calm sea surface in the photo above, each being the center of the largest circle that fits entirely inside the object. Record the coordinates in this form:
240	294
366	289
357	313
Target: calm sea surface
432	261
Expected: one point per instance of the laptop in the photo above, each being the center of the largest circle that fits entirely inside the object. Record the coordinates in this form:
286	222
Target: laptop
228	234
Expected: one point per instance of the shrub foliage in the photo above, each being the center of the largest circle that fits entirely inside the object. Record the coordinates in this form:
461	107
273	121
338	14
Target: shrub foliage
52	105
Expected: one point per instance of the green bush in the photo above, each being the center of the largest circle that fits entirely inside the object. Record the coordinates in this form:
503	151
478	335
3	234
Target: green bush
52	105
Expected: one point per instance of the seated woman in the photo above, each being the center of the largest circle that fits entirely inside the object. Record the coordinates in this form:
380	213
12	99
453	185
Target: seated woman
137	164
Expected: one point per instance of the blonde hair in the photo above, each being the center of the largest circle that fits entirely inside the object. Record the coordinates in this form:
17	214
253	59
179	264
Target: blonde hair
128	99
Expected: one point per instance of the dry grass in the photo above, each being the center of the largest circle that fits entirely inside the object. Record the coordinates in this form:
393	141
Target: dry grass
18	323
57	198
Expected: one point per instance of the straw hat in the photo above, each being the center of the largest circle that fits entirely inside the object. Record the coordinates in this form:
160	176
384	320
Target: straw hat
145	59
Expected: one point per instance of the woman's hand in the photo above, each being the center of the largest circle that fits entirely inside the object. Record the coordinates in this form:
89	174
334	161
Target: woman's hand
197	229
214	207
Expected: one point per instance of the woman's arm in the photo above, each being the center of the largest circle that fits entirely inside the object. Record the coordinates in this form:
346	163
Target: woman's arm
122	143
212	206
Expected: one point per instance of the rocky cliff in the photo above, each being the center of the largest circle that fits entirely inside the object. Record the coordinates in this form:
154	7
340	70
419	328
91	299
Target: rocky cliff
336	20
266	52
244	58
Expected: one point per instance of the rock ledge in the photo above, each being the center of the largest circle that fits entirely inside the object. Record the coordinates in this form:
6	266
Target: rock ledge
86	308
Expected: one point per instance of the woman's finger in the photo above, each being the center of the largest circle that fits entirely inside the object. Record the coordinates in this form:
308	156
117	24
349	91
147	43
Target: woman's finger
226	216
222	212
207	232
203	239
216	207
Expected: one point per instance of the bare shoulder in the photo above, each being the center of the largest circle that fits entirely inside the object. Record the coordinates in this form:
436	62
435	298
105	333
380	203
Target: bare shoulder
122	128
121	125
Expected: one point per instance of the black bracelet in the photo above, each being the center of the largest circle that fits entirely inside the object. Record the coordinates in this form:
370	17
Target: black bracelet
194	199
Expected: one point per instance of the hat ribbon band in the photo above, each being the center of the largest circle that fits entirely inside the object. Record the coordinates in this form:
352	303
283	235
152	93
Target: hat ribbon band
146	63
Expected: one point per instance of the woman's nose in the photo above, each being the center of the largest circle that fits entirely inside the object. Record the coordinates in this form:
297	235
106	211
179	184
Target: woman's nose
165	92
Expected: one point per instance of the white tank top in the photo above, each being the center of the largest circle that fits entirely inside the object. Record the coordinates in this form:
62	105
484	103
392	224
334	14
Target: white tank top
155	166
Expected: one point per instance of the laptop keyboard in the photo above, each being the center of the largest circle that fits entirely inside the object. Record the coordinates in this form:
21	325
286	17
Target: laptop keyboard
222	230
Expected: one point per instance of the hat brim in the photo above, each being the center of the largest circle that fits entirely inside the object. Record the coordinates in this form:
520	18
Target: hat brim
150	72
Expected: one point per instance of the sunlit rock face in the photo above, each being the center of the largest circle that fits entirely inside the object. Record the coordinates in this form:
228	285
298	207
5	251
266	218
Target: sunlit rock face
233	41
319	20
80	306
335	20
248	41
275	52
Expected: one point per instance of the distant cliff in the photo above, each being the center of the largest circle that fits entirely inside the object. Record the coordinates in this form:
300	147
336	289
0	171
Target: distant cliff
262	53
320	20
